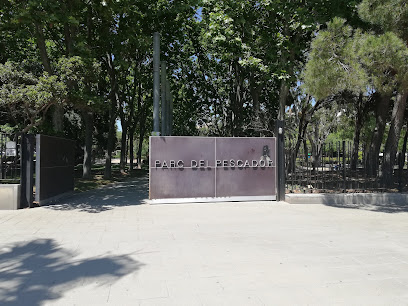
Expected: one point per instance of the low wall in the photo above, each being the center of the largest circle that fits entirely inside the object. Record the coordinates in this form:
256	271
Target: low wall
9	196
348	198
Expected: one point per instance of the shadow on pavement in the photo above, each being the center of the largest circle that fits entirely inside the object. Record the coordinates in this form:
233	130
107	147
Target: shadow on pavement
40	270
133	192
390	208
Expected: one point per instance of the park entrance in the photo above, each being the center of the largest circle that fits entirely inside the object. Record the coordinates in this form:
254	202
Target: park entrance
200	169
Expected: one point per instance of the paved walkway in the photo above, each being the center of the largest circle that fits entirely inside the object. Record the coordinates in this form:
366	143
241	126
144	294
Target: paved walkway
107	247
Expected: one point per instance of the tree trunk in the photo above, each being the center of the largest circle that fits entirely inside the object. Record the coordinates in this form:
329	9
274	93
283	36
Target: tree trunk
68	40
123	148
401	160
315	148
237	99
131	147
112	119
404	149
57	110
356	143
357	132
306	151
315	156
301	134
58	118
142	131
127	148
87	163
255	90
393	138
68	31
42	47
285	87
132	119
110	144
303	124
283	96
139	152
383	103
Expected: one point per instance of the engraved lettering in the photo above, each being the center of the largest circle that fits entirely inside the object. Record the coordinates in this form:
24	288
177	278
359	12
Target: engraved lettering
270	163
202	163
246	164
262	164
194	164
254	163
218	163
232	163
240	163
180	164
225	163
164	165
172	164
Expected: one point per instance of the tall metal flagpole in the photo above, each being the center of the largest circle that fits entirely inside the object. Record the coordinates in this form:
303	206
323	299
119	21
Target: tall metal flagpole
156	84
169	109
163	99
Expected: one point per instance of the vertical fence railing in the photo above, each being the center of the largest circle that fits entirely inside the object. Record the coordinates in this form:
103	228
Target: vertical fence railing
27	170
331	168
17	164
9	157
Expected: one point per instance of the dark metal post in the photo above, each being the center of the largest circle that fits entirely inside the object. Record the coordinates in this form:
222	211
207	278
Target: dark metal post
280	186
169	108
163	85
38	167
170	105
27	170
156	84
3	140
344	166
163	97
400	168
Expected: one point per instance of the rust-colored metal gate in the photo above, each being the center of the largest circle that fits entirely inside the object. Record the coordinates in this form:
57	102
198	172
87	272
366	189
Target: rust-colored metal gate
198	169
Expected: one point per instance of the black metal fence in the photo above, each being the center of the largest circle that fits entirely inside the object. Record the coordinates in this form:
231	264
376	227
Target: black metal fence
9	157
332	167
49	160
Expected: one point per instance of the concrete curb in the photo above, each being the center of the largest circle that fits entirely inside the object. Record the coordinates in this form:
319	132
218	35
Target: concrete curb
348	198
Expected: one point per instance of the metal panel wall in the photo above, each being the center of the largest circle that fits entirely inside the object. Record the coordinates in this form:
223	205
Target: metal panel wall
55	159
211	167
